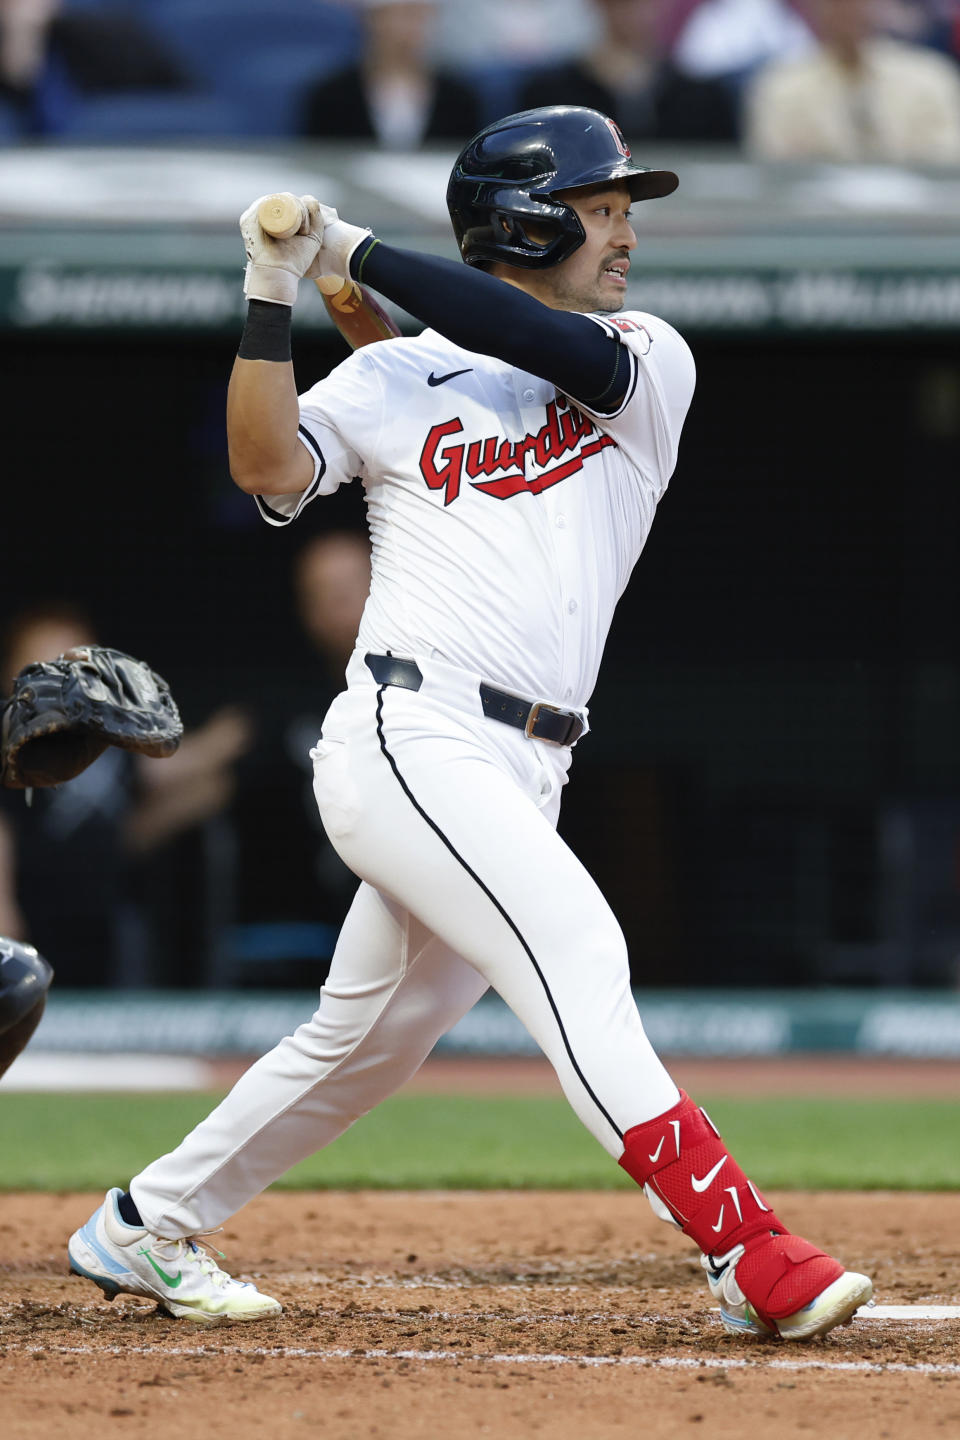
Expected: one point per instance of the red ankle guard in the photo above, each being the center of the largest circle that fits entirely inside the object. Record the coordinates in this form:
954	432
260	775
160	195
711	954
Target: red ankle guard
782	1274
681	1157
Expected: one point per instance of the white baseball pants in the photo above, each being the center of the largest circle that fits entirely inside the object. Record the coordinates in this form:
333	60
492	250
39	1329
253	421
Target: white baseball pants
448	818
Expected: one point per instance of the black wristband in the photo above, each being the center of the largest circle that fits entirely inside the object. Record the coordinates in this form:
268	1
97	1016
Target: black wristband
266	333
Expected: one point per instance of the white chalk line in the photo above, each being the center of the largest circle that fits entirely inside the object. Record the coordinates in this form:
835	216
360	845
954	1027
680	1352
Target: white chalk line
643	1362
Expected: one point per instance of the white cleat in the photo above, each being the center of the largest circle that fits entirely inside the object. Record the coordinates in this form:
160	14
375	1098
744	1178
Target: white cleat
833	1306
180	1274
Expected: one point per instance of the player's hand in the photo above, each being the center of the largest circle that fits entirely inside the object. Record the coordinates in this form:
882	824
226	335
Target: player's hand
275	267
339	242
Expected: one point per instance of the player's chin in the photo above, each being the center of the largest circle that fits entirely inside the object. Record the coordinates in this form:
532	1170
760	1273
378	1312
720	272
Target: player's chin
611	297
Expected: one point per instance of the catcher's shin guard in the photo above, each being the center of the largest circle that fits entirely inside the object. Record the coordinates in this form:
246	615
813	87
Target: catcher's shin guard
690	1177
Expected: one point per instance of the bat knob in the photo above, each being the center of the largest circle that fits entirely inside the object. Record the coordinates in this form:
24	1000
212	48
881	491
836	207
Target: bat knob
340	295
330	284
280	215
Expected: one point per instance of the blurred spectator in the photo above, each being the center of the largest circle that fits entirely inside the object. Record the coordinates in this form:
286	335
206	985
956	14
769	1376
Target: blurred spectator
925	22
66	859
536	32
50	53
289	870
859	96
395	94
331	579
730	38
331	582
626	75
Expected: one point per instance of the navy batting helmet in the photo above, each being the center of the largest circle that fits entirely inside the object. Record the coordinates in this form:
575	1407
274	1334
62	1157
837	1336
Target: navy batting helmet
508	176
24	981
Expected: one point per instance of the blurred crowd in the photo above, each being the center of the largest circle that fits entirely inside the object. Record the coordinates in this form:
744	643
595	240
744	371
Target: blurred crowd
868	80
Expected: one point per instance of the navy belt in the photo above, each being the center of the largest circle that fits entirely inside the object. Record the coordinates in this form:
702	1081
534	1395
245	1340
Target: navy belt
537	719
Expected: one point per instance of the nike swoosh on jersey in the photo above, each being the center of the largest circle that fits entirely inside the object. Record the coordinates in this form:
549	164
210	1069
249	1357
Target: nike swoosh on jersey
711	1175
451	375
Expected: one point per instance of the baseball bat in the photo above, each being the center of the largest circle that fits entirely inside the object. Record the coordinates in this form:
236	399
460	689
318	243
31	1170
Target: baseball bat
351	307
280	215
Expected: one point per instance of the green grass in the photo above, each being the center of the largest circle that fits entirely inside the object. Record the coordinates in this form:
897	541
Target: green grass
65	1142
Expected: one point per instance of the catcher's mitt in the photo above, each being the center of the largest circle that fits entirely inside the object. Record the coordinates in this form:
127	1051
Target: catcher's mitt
64	713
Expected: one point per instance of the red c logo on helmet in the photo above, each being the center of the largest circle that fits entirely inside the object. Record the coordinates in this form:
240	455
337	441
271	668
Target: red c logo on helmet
617	134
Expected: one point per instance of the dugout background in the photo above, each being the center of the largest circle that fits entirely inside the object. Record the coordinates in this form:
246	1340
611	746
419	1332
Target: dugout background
771	793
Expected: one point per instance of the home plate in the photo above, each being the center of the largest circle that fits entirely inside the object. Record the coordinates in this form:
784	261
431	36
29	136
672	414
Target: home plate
908	1312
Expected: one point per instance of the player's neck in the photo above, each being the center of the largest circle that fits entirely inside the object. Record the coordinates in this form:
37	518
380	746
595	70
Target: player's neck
532	284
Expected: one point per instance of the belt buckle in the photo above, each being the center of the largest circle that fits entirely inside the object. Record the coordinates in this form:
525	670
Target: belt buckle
534	716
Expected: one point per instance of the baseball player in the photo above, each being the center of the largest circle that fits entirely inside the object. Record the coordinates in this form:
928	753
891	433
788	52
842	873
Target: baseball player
512	458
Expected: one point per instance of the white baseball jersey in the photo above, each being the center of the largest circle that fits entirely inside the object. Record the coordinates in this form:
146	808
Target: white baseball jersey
505	520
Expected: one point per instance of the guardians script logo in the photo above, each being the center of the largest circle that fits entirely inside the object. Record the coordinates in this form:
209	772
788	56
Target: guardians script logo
556	451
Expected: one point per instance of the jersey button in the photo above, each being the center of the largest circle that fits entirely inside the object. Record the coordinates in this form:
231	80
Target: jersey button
561	522
572	606
529	396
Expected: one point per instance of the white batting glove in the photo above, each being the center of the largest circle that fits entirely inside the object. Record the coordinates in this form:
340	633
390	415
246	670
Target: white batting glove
339	242
275	267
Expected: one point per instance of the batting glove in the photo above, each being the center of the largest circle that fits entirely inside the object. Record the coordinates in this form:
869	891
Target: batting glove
276	267
339	242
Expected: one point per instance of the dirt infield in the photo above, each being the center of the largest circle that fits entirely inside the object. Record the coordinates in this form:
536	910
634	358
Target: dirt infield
574	1316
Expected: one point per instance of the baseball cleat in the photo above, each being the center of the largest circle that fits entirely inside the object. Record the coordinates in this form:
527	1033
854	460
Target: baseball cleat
834	1305
180	1275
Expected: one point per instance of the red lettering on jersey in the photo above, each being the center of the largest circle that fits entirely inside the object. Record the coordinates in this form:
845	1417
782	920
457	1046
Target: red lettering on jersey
484	457
447	475
566	429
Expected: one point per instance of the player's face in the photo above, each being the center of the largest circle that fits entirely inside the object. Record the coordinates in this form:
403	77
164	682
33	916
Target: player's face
595	276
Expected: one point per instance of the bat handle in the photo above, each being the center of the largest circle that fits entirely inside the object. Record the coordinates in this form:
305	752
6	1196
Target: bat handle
343	294
280	215
358	317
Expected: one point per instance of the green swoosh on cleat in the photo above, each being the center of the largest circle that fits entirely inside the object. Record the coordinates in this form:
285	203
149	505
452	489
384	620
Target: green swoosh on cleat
172	1280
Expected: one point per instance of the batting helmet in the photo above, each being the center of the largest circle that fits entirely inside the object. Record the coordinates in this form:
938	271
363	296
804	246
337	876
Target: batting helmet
24	981
509	174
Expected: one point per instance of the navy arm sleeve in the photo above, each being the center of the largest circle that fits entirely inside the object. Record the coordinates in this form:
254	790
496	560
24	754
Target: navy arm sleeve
480	312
